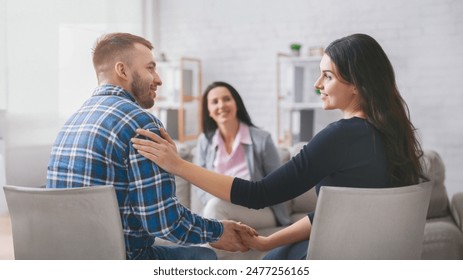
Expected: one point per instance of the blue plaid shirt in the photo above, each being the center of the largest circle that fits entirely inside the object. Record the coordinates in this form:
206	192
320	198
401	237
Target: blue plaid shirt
94	148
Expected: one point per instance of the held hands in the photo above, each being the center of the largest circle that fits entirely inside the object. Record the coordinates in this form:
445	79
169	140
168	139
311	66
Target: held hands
260	243
161	150
231	236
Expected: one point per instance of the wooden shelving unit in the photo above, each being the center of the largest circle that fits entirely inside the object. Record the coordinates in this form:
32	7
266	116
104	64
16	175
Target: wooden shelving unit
296	97
179	98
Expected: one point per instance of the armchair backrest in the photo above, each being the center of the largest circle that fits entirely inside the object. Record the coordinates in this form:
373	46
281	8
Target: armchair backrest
78	223
369	223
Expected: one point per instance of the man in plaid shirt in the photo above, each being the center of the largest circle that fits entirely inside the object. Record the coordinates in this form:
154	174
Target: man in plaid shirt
93	148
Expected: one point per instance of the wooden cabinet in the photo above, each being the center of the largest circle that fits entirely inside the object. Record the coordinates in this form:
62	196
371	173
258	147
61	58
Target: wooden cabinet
297	99
178	100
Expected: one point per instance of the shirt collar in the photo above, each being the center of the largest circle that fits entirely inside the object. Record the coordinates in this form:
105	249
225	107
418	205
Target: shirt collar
243	136
113	90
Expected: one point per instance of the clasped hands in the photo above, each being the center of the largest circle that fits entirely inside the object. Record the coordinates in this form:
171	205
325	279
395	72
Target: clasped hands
234	236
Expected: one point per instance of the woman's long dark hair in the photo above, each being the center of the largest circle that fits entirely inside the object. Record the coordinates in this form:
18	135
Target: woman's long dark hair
208	124
361	61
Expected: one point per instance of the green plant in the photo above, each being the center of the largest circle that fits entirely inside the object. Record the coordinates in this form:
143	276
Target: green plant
295	46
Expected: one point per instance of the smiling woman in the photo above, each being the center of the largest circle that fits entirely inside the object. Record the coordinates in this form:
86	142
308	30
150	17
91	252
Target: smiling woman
336	93
232	145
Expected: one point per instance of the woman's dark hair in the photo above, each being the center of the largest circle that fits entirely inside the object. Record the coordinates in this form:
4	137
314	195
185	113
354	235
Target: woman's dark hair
208	124
361	61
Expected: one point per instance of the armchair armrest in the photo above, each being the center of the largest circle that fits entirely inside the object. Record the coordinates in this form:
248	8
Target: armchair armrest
456	207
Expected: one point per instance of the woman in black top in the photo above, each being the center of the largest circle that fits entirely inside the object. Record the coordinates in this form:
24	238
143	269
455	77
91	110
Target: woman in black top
374	145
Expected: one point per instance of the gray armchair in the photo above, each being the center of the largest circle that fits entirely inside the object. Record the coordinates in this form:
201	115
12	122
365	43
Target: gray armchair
60	224
373	223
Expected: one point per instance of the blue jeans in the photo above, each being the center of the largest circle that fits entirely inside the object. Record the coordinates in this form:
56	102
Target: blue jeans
183	253
295	251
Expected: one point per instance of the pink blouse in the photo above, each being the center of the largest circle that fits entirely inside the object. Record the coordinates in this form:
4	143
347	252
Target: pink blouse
233	164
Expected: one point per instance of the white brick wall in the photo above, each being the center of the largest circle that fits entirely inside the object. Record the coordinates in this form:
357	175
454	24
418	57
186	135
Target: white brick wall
238	41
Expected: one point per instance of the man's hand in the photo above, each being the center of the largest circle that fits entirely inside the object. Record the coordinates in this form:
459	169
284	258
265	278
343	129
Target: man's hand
230	239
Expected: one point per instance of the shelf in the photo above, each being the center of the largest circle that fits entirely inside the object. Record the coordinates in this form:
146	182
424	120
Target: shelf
178	101
166	105
296	100
299	59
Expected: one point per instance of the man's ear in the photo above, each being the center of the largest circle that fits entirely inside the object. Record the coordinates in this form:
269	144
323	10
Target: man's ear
121	70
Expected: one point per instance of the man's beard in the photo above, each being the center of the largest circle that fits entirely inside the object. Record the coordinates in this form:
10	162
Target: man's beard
141	92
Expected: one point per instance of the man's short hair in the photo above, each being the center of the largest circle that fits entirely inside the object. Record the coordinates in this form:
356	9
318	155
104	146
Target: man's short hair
115	46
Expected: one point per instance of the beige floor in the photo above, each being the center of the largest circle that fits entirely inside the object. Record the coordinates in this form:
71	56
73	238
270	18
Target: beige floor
6	239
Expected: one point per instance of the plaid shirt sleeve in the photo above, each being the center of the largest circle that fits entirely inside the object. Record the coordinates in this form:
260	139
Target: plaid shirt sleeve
153	201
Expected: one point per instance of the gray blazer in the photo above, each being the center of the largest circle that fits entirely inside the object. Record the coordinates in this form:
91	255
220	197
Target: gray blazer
262	158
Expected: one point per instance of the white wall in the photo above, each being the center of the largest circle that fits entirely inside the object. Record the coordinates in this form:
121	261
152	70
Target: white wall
238	40
46	68
2	56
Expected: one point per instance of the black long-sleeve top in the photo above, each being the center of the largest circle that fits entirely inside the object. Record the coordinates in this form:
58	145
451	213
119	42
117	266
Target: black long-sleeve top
347	153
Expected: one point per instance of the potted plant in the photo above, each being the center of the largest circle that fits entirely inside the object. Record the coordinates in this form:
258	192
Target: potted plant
295	49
